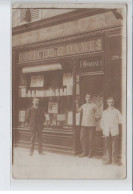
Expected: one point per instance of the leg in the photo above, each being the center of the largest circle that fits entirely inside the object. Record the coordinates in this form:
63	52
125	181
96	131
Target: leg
32	141
115	148
39	141
92	131
84	140
108	149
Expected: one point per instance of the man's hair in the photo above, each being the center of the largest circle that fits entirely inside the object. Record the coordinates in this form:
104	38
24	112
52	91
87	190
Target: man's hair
35	98
89	94
110	98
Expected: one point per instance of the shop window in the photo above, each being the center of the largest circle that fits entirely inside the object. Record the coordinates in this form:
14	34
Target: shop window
55	91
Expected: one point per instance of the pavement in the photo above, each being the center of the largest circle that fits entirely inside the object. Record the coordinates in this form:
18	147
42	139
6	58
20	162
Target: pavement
62	166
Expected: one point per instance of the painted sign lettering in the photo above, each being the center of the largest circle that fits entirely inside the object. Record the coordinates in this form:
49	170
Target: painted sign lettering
59	51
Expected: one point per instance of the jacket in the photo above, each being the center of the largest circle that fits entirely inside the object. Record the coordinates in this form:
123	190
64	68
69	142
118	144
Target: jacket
35	118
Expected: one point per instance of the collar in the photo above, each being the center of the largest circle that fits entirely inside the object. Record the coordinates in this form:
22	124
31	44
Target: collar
110	109
88	103
35	107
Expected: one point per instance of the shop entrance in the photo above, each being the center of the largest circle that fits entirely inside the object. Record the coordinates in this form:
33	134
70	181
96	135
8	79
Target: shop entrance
91	84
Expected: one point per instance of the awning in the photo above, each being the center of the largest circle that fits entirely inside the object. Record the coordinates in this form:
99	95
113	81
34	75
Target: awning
41	68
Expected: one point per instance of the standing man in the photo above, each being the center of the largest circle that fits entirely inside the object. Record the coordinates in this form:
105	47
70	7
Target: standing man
88	126
111	118
35	118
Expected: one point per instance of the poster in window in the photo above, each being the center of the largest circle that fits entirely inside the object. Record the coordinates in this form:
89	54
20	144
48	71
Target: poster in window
37	81
53	107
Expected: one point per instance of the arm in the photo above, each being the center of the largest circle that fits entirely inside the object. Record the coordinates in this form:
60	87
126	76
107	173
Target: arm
79	109
42	116
27	119
102	122
119	116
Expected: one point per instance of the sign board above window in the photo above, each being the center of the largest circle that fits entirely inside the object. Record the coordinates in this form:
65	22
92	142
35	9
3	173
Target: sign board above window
85	46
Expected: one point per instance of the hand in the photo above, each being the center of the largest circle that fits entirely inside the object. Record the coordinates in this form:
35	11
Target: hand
97	119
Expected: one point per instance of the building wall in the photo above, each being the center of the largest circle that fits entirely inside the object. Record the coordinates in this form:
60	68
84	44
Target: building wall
87	24
44	13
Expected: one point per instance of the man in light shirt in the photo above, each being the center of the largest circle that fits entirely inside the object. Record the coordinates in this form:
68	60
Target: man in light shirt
111	118
88	126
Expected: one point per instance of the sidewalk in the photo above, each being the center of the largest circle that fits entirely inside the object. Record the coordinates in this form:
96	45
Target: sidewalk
60	166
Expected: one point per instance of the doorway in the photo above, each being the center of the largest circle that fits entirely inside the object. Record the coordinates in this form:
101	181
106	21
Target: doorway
92	84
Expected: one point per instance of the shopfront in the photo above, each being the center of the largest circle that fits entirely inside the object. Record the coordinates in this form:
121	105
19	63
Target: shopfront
60	72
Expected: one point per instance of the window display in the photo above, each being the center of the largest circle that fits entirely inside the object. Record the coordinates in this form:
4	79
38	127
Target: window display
54	90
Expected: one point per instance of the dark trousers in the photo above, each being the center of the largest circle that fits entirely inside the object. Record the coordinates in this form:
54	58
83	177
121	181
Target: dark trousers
87	135
39	134
111	148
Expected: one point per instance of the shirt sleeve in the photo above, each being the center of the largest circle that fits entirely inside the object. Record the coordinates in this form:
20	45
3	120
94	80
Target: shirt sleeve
80	109
119	116
102	121
28	113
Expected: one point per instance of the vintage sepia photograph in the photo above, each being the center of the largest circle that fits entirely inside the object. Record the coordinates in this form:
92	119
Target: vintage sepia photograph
69	91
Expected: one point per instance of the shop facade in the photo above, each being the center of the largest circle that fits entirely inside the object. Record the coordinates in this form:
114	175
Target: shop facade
60	71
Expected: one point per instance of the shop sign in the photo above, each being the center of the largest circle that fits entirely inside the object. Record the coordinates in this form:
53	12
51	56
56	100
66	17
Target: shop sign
63	50
91	64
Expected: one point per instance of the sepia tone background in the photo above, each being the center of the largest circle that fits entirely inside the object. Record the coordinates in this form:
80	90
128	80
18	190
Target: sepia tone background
74	51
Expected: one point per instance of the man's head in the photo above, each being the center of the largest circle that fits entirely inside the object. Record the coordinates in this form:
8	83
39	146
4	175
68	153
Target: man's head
35	101
110	101
88	98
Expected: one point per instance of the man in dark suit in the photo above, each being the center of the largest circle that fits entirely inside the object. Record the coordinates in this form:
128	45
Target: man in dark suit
35	118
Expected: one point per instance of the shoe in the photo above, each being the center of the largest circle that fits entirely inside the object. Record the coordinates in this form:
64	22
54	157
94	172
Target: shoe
90	155
116	163
107	162
41	153
82	155
31	153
